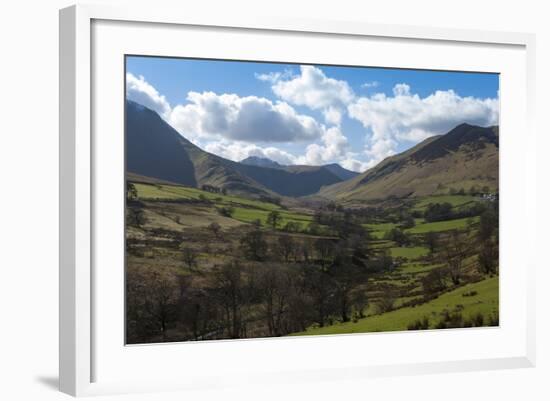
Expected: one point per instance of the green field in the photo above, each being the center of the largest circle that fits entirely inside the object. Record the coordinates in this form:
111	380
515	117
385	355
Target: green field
455	200
457	224
378	231
485	302
415	268
249	215
245	210
172	192
414	252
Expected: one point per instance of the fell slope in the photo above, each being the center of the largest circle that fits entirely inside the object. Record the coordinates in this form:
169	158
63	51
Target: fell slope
465	156
154	149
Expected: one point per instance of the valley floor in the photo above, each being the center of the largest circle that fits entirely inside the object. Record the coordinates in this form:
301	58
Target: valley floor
210	265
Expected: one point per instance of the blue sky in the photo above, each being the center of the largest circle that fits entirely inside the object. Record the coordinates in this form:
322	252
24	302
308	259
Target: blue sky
306	114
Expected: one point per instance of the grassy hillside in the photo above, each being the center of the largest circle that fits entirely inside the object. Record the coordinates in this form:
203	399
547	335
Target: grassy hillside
467	156
243	209
154	149
485	301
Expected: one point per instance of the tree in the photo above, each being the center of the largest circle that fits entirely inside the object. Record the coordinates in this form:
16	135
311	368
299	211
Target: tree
305	249
231	294
399	236
215	228
274	218
189	257
292	227
320	286
488	257
135	217
488	224
198	313
433	282
253	245
408	222
347	276
276	282
386	303
432	240
359	302
151	301
314	228
131	191
454	252
285	247
226	211
325	250
438	212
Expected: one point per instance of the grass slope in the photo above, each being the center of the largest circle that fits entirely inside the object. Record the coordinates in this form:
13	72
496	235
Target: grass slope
465	156
446	225
485	302
245	210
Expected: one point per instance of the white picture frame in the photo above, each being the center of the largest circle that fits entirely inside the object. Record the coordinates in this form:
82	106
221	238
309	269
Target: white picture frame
79	345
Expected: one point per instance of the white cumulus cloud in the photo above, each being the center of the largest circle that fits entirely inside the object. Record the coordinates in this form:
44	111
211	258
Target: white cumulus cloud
411	118
312	88
140	91
334	147
249	119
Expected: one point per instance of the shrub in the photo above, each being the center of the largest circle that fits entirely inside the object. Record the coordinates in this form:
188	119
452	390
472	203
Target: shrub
386	303
478	320
420	324
493	320
226	211
450	320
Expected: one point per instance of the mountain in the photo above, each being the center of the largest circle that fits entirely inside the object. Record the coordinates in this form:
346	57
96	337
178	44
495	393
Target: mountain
260	162
339	171
156	150
465	156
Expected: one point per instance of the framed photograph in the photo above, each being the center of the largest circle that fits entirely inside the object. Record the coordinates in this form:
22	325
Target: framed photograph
273	200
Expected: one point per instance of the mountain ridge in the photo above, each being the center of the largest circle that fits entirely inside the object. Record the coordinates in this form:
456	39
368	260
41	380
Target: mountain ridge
334	168
155	149
465	156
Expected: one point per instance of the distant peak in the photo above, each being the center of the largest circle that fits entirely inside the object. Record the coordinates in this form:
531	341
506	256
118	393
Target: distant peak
260	161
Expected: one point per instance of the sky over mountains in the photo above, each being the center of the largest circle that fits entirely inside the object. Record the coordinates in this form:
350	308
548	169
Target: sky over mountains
304	114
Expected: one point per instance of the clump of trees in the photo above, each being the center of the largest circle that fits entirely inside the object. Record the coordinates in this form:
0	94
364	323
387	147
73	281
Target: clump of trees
270	288
274	218
213	189
454	253
151	303
131	192
438	212
135	216
398	236
226	211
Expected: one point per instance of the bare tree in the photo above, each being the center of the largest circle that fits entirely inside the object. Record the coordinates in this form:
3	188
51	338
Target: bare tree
275	282
253	245
234	290
189	257
386	302
215	228
151	298
135	217
286	247
488	257
455	251
432	241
